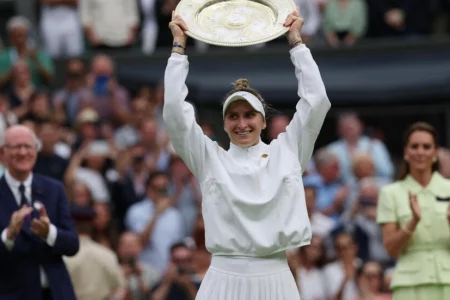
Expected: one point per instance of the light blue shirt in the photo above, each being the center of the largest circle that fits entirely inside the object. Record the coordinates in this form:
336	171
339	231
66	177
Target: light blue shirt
377	150
168	230
325	193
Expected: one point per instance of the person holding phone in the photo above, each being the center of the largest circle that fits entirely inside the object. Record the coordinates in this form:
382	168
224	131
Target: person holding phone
109	99
414	213
253	199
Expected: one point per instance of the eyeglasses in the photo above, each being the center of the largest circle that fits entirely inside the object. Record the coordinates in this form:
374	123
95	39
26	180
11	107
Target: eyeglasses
17	147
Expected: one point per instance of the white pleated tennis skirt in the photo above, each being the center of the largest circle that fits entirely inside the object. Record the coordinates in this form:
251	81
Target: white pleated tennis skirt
248	278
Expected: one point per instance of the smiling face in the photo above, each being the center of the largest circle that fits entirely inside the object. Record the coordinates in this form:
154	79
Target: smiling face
420	151
20	151
243	124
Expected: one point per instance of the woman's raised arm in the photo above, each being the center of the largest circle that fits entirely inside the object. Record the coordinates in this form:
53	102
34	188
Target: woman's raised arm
311	109
185	134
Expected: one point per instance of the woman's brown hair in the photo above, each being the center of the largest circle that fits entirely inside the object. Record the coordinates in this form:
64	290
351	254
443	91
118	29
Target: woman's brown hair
419	126
242	85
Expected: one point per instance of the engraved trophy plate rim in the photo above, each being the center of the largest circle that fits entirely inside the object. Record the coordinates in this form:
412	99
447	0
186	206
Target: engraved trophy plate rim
235	23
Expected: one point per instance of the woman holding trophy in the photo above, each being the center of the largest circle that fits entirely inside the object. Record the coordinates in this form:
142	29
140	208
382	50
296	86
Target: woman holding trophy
253	199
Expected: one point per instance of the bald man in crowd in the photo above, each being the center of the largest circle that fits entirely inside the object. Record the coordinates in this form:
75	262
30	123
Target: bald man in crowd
35	223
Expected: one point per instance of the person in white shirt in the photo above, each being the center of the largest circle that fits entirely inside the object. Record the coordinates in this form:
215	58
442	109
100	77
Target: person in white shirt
61	28
253	200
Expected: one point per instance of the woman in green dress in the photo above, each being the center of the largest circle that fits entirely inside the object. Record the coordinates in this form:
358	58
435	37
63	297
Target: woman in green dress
415	218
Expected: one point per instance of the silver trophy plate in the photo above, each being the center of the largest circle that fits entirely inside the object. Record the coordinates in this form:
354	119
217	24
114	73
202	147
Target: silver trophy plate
235	23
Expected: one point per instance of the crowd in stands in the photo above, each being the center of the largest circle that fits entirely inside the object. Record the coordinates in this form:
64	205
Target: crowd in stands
141	226
69	28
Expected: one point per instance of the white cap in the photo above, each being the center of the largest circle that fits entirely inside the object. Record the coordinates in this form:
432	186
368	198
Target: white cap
249	97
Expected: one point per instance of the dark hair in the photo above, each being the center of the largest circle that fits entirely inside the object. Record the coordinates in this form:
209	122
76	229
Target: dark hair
154	175
242	85
419	126
178	245
38	93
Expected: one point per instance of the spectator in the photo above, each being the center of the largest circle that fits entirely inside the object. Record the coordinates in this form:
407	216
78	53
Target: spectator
150	26
49	163
106	96
7	117
164	10
37	230
369	278
157	157
128	134
331	193
277	125
94	156
177	283
364	226
310	279
344	21
157	222
105	230
340	275
390	18
94	270
86	125
61	28
140	277
352	142
313	19
321	225
363	168
109	24
444	162
202	258
69	98
39	108
80	195
39	63
186	191
21	88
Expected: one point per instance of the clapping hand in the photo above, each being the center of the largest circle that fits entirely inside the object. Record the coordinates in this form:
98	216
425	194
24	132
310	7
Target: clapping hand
16	222
41	226
415	208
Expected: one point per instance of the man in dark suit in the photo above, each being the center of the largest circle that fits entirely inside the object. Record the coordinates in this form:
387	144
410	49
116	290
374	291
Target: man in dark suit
36	226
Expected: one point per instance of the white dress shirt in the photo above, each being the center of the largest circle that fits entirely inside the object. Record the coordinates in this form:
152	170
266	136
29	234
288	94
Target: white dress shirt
253	198
52	233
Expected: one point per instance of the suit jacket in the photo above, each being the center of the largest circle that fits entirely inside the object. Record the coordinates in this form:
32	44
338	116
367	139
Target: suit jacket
19	267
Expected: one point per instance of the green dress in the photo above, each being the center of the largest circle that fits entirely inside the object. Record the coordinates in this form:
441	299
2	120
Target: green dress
423	269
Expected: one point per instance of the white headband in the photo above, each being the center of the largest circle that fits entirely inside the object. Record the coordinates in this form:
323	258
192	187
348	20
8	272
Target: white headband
249	97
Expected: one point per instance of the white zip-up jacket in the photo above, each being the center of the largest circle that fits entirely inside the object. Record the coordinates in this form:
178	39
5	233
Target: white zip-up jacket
253	198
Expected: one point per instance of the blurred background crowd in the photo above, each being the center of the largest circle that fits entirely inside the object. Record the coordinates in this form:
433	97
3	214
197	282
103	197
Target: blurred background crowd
141	227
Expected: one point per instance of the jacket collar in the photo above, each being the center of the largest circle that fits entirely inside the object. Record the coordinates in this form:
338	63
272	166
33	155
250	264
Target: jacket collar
252	151
434	186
